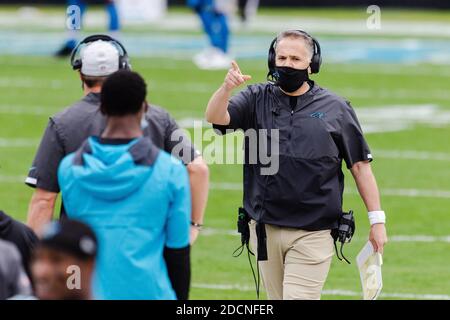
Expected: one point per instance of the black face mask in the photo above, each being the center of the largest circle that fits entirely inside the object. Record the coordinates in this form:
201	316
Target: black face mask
290	79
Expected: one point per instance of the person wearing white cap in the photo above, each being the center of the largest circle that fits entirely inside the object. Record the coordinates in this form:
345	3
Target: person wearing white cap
99	59
95	58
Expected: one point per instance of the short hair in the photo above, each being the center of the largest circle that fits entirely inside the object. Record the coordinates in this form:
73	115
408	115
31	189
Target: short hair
123	93
296	34
91	81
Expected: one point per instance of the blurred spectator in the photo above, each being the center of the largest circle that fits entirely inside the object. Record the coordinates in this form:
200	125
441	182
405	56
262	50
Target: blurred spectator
213	14
13	280
247	9
71	40
63	262
20	235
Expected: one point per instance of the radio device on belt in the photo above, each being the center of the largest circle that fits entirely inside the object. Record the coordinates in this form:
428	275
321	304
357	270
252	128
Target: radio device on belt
244	230
344	232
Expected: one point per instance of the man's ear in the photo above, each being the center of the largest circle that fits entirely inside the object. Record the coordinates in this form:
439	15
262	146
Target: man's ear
82	81
145	105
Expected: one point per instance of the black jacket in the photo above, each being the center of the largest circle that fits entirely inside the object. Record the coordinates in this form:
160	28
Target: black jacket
20	235
306	144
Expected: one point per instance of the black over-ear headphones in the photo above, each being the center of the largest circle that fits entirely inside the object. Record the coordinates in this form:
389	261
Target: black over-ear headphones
124	62
316	60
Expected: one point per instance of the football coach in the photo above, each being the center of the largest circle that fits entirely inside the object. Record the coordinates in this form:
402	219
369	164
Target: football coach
299	205
97	57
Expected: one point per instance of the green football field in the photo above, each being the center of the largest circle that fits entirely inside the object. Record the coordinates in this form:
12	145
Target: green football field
403	107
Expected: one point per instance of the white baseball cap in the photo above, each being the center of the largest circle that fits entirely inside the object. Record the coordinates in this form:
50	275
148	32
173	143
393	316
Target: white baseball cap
99	58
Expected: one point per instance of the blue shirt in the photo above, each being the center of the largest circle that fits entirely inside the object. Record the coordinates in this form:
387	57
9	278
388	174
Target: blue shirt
137	199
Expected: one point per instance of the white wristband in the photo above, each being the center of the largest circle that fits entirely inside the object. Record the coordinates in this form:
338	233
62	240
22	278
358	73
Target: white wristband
377	217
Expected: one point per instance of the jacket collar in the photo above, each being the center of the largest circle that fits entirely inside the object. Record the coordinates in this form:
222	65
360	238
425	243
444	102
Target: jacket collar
283	99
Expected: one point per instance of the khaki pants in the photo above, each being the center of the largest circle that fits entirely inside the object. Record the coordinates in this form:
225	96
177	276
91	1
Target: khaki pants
298	262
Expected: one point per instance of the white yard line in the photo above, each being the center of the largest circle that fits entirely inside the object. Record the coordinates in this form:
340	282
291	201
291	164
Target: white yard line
411	155
23	83
33	83
384	118
235	186
27	110
18	143
271	24
333	292
161	86
414	193
392	94
340	68
392	238
230	186
12	179
383	69
187	122
380	118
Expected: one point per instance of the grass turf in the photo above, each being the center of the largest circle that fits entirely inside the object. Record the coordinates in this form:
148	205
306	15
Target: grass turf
32	88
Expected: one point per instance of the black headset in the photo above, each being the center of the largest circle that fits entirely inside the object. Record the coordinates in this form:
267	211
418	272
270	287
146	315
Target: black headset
124	62
316	60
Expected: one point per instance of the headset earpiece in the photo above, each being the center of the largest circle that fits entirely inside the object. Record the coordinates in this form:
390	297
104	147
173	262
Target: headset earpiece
271	76
316	60
124	62
76	65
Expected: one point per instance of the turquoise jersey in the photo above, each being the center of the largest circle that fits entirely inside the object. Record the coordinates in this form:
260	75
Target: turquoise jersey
137	199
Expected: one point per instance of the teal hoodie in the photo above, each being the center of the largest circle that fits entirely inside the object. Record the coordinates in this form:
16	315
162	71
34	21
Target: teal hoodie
137	199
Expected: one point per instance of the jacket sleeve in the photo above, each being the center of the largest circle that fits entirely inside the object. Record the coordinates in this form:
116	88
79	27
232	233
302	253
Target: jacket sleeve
351	142
240	108
43	173
179	269
179	215
177	250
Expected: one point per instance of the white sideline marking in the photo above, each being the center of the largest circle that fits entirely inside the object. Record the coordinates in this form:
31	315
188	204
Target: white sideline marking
33	83
412	155
385	192
385	118
335	292
375	119
18	143
186	122
367	69
412	193
23	82
12	179
29	110
381	69
419	238
180	21
230	186
401	117
392	238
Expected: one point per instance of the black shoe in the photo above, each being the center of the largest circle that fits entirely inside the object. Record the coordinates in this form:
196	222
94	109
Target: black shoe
64	51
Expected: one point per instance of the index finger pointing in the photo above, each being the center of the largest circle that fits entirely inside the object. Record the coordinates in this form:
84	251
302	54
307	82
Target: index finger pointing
235	66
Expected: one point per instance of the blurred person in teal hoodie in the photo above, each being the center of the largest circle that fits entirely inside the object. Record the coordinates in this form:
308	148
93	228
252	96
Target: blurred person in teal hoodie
135	196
